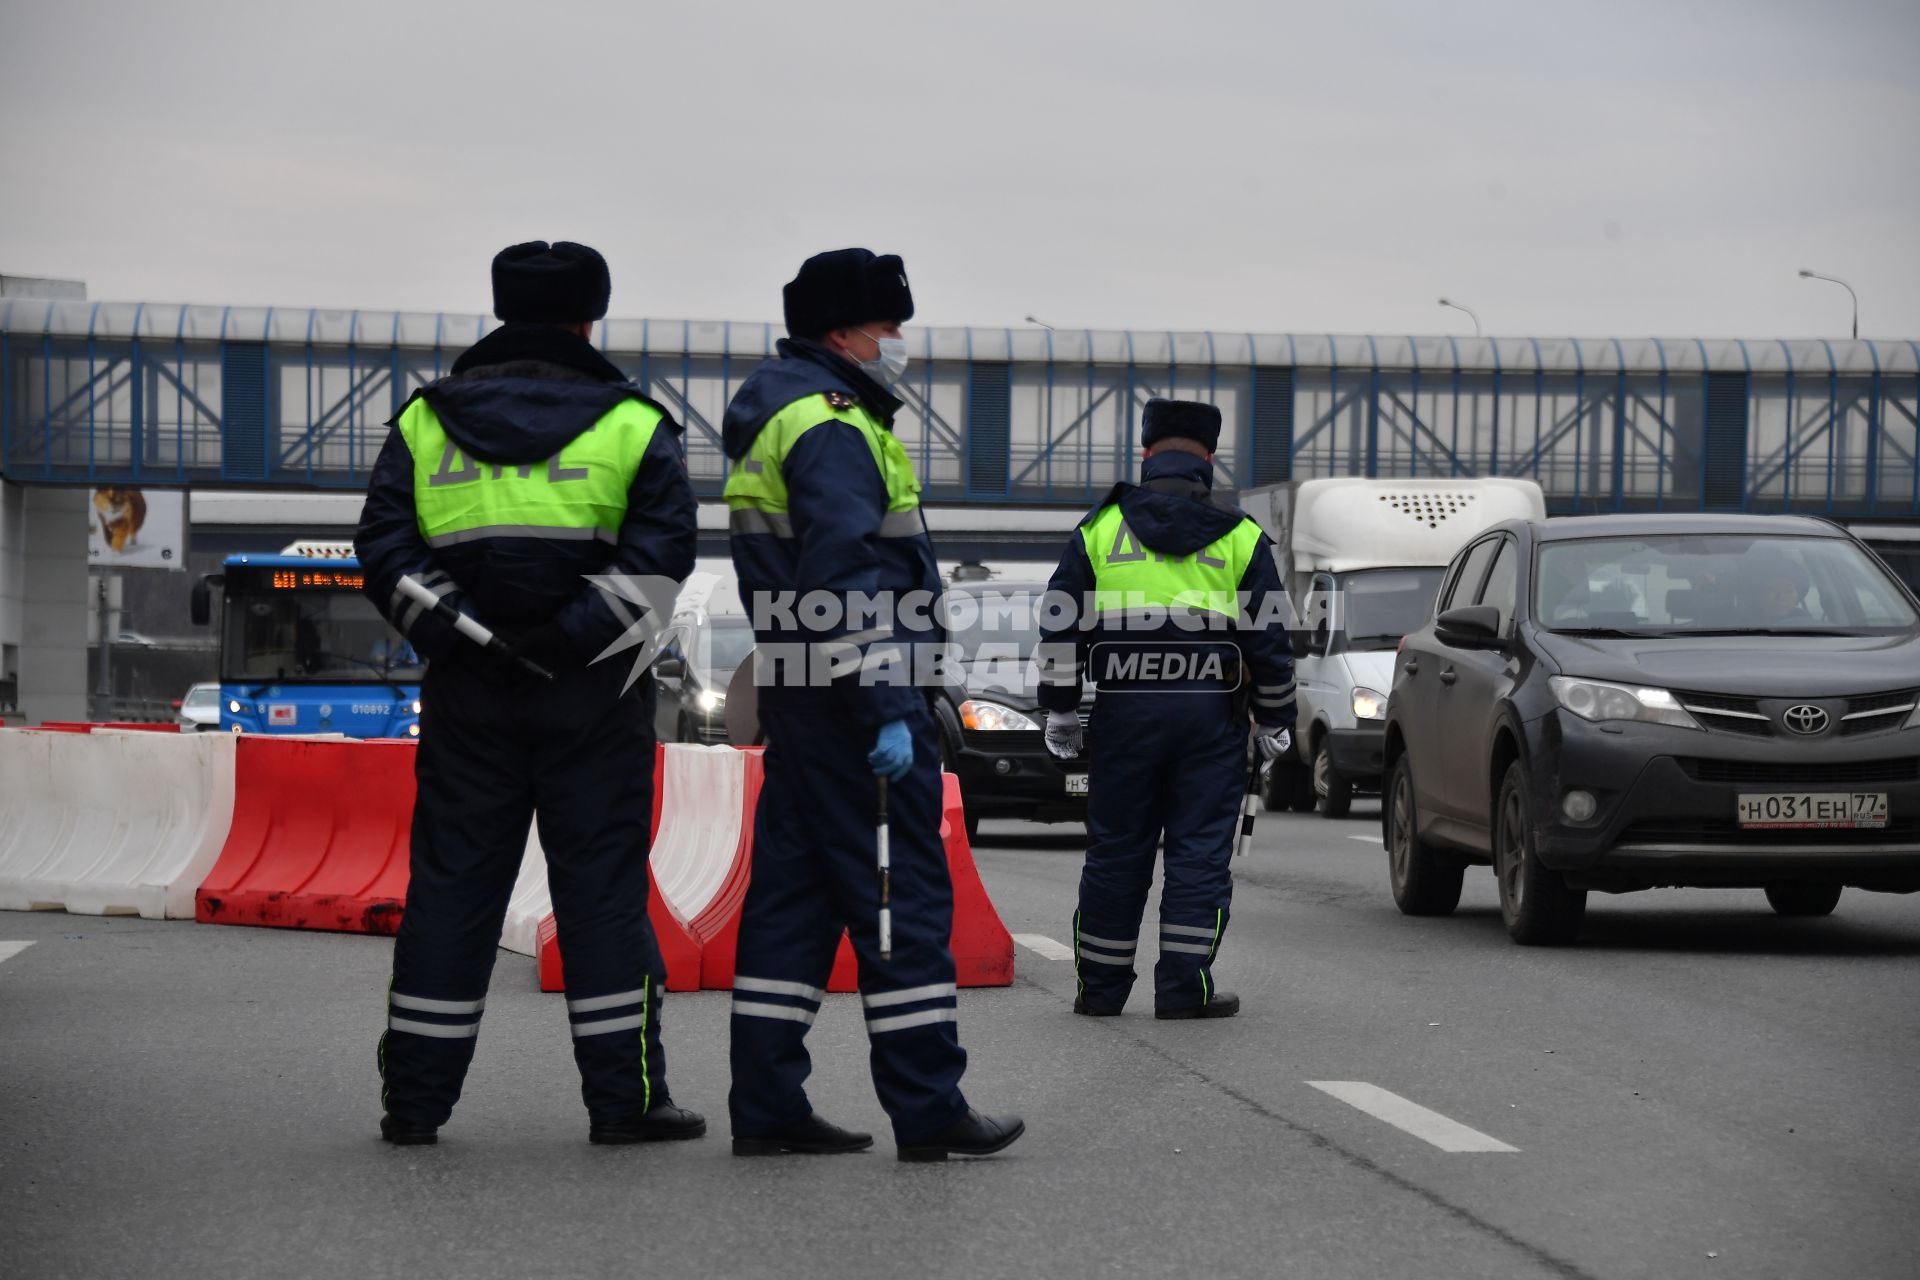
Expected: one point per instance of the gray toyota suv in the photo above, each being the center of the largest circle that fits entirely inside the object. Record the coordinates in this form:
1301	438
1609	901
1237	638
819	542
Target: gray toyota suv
1623	702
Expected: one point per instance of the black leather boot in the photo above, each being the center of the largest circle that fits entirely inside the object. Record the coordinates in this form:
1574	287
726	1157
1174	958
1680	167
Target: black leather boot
662	1122
1223	1005
813	1136
971	1135
1081	1007
402	1134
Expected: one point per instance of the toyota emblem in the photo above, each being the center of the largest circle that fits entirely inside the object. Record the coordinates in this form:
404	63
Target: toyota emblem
1805	718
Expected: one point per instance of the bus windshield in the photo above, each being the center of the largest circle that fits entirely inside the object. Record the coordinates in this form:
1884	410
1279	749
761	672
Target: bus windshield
312	637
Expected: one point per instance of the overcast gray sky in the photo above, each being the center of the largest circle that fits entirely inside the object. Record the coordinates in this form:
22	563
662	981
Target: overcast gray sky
1617	168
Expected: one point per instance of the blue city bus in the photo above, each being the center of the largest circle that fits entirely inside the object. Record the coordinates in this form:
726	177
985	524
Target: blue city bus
302	649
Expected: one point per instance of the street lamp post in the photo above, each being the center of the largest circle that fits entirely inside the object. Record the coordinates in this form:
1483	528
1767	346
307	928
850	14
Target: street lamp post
1815	275
1446	302
1042	323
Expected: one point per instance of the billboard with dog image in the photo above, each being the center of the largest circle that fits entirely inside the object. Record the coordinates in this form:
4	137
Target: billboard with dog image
138	528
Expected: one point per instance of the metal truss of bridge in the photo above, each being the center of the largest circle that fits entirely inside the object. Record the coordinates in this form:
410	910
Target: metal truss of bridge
263	397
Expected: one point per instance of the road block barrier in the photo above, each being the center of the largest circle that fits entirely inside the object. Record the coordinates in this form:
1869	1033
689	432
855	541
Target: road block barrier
319	837
111	823
701	800
982	946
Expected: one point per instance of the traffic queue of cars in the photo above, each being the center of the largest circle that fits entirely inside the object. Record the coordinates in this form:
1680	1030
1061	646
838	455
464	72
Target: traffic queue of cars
1583	704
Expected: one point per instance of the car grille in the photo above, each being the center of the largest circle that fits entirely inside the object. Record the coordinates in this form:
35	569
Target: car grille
1727	714
1867	713
1766	773
1727	831
1878	711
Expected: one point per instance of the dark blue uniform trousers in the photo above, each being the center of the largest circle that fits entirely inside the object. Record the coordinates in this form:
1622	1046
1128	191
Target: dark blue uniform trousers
495	751
1162	762
814	871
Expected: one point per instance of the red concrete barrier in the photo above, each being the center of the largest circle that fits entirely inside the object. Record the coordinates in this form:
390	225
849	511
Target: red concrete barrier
319	837
707	943
982	947
147	726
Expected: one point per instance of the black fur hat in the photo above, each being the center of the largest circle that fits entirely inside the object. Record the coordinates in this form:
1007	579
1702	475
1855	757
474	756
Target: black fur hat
846	287
541	283
1188	419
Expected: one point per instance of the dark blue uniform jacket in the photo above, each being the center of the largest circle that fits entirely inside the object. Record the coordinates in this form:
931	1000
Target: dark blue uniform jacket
836	499
1173	512
518	396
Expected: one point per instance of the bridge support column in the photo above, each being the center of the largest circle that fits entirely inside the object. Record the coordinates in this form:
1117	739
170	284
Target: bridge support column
43	600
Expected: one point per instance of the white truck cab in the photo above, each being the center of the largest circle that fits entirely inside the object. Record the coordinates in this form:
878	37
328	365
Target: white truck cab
1362	561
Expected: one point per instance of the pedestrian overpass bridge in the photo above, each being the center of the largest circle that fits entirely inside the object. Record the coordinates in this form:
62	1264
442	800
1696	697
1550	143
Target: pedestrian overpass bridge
267	398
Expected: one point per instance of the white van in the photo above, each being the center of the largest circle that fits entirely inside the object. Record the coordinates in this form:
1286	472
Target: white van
1362	561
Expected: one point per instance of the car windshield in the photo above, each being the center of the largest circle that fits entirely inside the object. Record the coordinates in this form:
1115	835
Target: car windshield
1382	605
729	642
336	637
999	623
1717	584
202	696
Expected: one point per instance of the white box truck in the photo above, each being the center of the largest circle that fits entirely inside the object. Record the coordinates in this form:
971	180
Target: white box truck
1362	561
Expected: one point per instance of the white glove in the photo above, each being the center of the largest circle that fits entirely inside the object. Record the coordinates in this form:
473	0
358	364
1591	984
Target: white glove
1064	738
1273	743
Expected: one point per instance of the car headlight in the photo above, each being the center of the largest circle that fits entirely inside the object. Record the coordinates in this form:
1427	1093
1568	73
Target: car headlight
1598	700
709	700
234	707
1368	705
416	706
991	715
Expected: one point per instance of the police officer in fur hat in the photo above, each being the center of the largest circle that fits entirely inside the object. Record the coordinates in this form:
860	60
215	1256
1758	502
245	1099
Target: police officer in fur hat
503	488
1177	617
825	512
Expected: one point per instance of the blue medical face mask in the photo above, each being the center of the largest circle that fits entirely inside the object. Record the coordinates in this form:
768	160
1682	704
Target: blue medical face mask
890	365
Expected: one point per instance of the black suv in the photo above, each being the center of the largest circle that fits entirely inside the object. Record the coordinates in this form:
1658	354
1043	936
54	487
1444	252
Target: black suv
1624	702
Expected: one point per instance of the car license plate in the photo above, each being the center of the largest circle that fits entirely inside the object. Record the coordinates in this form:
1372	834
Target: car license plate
1077	784
1813	810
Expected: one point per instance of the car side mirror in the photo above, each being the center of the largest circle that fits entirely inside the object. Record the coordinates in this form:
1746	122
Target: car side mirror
670	668
1473	626
1322	638
201	603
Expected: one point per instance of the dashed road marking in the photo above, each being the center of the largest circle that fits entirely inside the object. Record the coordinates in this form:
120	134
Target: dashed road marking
1410	1117
1368	839
1041	944
8	950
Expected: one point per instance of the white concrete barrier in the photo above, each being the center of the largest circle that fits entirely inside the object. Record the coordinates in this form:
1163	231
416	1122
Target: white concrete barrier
530	903
702	809
701	813
111	822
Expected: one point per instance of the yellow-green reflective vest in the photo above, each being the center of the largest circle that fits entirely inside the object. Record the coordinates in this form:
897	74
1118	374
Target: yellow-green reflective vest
757	486
579	494
1126	575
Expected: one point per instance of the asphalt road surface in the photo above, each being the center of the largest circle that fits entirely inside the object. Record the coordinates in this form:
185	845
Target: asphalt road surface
1700	1089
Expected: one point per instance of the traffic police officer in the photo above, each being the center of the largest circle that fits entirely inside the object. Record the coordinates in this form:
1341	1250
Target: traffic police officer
824	514
501	487
1176	614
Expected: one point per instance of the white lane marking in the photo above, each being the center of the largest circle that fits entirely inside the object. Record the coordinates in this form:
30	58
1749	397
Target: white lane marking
8	950
1368	839
1041	944
1410	1117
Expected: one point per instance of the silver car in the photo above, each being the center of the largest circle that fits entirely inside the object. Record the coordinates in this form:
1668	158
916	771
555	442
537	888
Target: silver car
200	709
